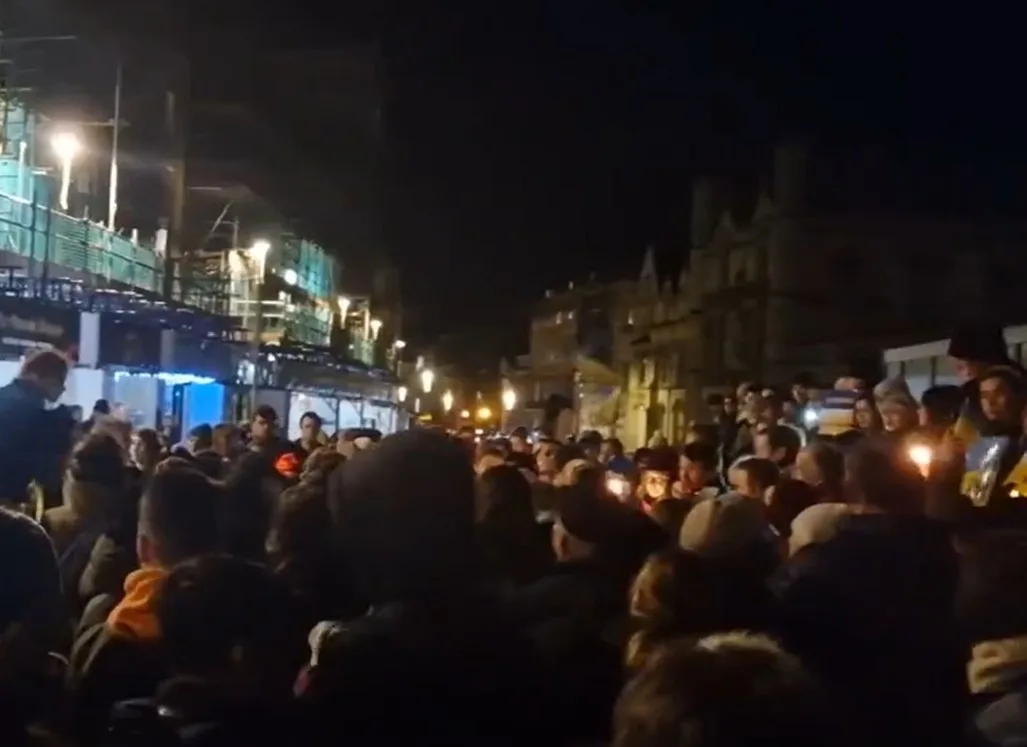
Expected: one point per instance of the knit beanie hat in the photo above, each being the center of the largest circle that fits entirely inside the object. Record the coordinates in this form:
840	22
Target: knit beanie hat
894	391
725	528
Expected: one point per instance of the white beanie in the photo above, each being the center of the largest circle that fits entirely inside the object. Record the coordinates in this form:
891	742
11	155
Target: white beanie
894	390
816	524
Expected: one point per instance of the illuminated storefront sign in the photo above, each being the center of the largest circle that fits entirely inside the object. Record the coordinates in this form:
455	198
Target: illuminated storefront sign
25	325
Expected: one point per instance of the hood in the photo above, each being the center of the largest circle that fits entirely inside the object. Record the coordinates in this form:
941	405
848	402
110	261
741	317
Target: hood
455	666
404	517
881	578
134	616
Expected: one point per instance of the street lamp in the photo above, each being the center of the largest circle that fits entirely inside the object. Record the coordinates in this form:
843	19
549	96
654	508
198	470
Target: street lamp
399	344
290	277
376	326
509	398
447	401
344	304
427	380
401	393
66	146
484	413
257	254
465	414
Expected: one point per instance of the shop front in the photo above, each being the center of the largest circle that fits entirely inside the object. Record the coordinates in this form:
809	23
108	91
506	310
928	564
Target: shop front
200	370
129	352
165	378
342	395
30	324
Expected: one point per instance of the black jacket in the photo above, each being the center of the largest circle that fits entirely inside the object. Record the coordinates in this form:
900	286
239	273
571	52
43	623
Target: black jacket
31	443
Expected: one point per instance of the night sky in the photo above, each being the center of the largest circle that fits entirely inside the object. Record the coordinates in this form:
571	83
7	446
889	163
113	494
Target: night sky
533	142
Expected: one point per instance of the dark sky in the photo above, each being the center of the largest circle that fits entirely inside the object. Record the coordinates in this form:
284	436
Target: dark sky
551	139
533	142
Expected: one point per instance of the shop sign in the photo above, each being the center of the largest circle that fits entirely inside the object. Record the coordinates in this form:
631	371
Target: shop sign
25	325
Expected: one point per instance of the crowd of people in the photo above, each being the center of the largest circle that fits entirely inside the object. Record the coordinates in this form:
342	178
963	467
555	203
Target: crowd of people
758	584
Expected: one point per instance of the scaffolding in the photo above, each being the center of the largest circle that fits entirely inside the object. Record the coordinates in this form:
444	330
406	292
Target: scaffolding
203	283
315	271
46	240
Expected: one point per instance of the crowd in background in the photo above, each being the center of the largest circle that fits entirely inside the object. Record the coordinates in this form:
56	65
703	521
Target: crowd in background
759	584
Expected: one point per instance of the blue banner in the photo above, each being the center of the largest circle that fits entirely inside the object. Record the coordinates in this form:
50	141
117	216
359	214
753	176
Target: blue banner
836	413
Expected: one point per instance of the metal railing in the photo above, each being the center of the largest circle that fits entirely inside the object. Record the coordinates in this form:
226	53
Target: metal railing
53	238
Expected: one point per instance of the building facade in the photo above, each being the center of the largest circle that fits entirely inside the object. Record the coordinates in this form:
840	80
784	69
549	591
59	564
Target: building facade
175	326
578	350
663	390
834	262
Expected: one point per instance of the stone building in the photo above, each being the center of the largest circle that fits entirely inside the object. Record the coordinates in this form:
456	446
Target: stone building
662	381
841	256
834	258
578	350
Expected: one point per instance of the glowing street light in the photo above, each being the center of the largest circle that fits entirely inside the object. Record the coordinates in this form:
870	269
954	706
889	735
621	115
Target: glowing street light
509	399
344	304
66	146
401	393
258	252
447	401
376	327
427	380
399	344
290	277
465	414
484	413
236	264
